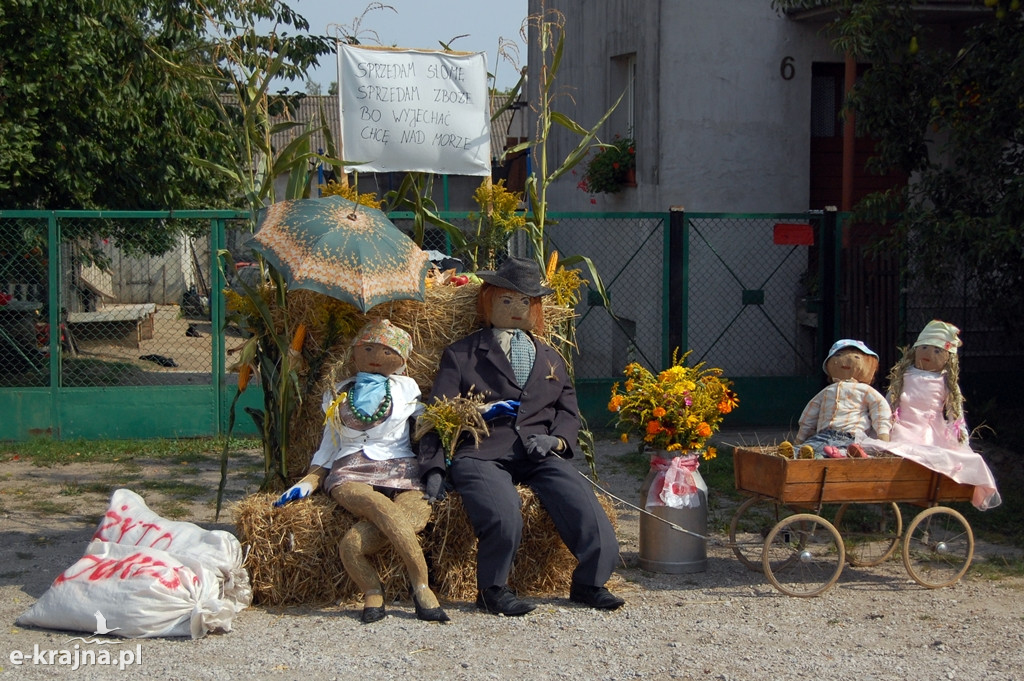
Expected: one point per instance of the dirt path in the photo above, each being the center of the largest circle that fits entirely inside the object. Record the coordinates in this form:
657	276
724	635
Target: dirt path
724	623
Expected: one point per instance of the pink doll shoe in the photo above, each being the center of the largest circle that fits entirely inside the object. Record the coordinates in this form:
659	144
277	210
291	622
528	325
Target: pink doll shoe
855	451
833	452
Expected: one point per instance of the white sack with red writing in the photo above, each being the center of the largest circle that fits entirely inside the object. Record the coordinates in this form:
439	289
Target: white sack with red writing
129	521
135	592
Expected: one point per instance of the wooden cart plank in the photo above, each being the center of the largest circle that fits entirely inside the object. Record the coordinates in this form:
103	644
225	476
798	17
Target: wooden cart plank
873	480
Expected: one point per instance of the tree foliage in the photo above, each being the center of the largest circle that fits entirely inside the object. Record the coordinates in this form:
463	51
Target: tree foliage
103	103
949	112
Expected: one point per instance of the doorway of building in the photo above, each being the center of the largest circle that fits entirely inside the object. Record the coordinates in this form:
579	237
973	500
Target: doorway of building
869	295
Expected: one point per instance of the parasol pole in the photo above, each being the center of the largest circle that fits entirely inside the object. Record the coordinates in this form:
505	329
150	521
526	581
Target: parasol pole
343	180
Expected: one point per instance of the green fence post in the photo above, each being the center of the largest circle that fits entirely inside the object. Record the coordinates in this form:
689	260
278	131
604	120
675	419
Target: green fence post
55	267
676	278
828	268
217	361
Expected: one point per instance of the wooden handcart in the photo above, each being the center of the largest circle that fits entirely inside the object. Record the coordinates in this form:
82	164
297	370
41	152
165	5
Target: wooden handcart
780	528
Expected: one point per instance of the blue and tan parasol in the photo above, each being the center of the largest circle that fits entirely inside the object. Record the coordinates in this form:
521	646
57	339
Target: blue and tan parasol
342	249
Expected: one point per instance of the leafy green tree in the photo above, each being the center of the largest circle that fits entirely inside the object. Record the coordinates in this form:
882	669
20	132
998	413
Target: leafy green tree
951	116
104	103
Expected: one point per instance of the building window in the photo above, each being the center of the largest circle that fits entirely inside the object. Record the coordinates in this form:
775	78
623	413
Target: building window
623	77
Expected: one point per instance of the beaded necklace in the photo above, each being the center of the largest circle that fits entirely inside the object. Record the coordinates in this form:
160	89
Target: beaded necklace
382	410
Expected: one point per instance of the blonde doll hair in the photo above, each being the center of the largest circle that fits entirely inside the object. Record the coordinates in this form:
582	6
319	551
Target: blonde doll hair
954	407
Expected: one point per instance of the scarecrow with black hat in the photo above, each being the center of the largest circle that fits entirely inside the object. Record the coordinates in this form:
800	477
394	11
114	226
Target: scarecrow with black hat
534	424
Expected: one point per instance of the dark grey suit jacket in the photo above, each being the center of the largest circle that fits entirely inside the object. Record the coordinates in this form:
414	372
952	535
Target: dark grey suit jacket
547	403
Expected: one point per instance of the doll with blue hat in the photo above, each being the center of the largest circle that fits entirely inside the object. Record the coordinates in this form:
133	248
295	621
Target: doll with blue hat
847	409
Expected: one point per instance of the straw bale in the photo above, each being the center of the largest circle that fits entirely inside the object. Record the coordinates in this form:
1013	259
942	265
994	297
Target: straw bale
292	555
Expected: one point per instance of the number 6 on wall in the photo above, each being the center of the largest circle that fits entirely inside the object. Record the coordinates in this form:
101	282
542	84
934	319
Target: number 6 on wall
786	68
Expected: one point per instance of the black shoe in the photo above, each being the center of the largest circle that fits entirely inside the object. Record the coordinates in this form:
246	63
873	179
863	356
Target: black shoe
500	600
430	614
373	614
594	596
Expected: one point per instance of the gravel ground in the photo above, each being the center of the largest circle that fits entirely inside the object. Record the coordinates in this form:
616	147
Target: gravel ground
724	623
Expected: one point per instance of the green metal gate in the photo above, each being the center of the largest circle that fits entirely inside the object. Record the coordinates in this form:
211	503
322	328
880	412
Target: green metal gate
744	292
140	340
758	297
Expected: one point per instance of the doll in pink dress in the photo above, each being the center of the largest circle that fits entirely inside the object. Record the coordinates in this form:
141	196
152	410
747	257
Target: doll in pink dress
928	423
924	391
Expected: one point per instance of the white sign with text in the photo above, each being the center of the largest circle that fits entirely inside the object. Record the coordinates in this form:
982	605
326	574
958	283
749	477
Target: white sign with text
414	110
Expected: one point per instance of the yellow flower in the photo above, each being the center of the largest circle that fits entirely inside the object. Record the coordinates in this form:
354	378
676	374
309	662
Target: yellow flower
624	437
671	375
676	409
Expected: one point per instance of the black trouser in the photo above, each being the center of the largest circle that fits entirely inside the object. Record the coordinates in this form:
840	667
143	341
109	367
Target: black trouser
492	503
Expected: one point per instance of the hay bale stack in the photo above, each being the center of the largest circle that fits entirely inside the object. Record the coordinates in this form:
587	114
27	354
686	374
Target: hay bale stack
292	554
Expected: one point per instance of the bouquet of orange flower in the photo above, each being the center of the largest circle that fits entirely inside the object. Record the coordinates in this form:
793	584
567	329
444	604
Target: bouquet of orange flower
677	410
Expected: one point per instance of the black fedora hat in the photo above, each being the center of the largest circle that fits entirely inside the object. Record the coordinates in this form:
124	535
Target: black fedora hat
517	274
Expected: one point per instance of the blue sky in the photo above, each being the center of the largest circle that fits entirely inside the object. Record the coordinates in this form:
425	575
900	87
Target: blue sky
421	24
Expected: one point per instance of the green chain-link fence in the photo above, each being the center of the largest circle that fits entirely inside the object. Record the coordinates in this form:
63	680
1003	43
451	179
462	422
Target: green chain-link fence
24	291
627	252
125	317
143	351
750	299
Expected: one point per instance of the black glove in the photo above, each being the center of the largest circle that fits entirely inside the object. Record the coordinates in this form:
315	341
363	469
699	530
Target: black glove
540	446
432	486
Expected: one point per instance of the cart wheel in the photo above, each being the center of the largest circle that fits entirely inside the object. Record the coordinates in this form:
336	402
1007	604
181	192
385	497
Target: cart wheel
871	532
752	522
803	555
938	547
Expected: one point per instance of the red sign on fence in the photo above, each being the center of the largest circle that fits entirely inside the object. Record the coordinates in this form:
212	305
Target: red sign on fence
792	234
